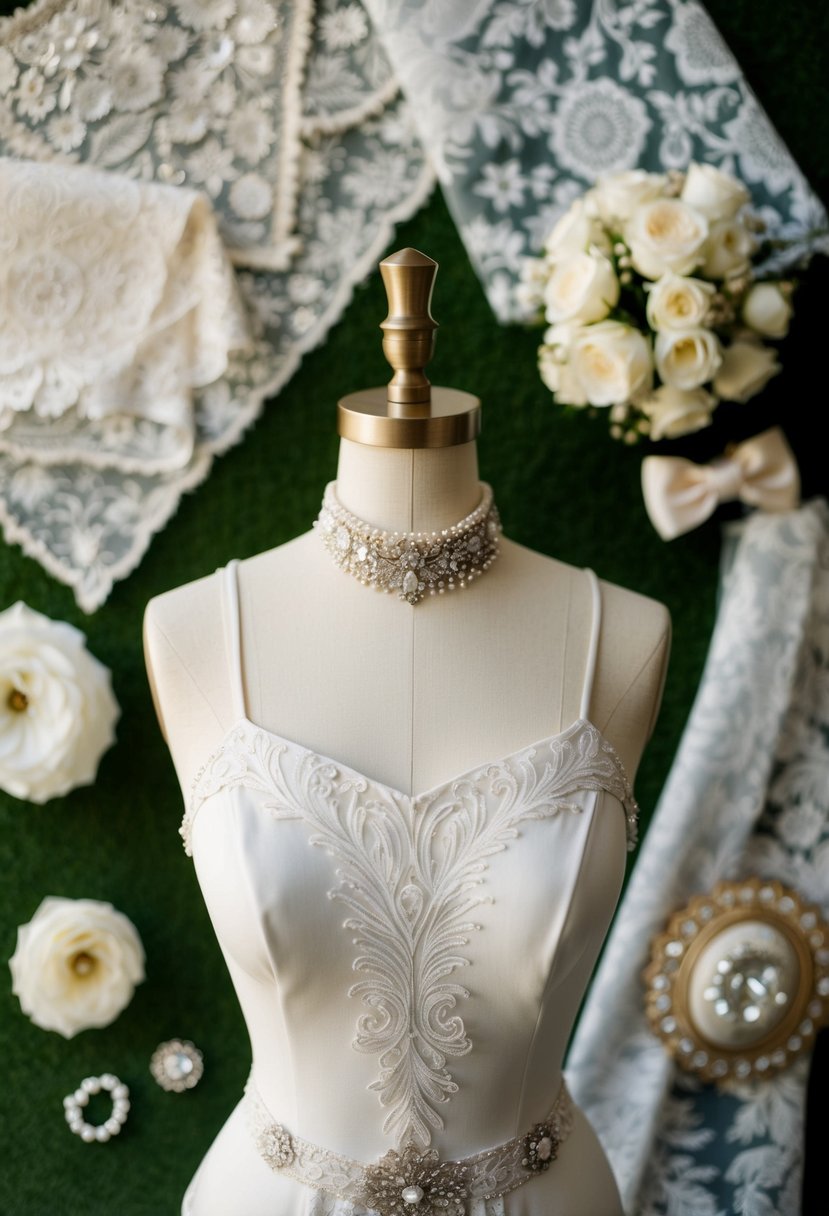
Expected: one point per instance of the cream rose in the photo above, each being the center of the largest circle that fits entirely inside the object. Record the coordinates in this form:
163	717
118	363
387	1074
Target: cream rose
767	310
57	709
728	249
676	411
715	194
554	366
529	293
616	197
664	235
583	288
676	302
746	368
687	358
76	965
611	361
576	232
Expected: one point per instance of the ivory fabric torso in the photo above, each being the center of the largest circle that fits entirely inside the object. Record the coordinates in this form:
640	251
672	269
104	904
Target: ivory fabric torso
409	966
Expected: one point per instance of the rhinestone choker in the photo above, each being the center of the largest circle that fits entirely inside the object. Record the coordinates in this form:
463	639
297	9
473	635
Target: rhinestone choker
414	564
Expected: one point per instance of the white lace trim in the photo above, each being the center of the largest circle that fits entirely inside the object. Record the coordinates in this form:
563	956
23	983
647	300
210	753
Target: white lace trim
413	861
485	1175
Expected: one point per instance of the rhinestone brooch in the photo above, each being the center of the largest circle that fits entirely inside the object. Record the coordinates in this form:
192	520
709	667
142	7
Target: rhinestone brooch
541	1148
411	564
411	1183
738	982
177	1065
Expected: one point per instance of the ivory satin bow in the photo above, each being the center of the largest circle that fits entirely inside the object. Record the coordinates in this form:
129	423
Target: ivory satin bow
680	495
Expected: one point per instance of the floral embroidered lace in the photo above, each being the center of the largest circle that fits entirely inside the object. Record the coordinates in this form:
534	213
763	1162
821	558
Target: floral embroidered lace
434	848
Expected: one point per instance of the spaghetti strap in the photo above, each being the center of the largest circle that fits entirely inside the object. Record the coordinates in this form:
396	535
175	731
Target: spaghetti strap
233	632
593	650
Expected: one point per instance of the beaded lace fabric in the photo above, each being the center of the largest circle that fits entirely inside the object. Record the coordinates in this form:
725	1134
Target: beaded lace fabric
429	1184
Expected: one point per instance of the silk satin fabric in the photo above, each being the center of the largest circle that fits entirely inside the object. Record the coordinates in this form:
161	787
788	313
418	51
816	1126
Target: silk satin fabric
680	495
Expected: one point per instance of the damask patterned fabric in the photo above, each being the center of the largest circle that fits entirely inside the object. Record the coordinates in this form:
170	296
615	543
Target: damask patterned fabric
747	795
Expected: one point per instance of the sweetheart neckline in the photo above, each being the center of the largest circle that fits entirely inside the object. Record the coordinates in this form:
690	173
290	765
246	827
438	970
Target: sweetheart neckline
466	775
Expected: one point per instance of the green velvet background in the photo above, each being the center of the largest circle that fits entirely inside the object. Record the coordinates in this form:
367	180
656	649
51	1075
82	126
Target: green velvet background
563	487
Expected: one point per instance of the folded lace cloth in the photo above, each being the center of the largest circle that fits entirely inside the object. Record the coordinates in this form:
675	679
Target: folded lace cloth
117	302
292	129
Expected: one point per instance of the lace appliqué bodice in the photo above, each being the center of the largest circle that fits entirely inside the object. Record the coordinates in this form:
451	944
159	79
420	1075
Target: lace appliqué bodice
410	870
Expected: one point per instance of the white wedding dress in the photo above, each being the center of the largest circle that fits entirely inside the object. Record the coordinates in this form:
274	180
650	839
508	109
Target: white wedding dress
409	967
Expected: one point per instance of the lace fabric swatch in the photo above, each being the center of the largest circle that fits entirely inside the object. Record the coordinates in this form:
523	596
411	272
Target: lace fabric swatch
310	157
204	93
110	322
522	106
88	525
746	796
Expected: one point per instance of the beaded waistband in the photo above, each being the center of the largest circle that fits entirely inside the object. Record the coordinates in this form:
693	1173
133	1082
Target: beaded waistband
411	1182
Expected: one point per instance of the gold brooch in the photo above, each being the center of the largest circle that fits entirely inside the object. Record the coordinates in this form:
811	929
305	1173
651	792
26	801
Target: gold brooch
738	982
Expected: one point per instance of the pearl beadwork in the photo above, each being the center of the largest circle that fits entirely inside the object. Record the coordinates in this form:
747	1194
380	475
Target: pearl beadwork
412	564
74	1105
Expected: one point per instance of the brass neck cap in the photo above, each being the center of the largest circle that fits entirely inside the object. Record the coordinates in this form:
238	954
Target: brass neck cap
406	414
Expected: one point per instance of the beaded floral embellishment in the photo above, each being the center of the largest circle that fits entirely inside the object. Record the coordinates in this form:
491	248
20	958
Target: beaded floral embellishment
401	1182
412	1180
414	564
542	1148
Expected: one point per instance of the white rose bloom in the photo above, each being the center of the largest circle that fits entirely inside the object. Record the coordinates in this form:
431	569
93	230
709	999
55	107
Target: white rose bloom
611	361
76	965
677	302
746	368
554	366
57	710
677	411
767	310
616	197
664	235
576	232
728	249
687	358
582	287
529	292
715	194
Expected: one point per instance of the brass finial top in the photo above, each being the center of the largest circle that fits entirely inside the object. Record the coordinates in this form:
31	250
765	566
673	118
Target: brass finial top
408	413
409	329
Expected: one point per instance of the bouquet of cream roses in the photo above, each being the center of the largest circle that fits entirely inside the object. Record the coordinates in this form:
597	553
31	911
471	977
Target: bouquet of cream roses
653	309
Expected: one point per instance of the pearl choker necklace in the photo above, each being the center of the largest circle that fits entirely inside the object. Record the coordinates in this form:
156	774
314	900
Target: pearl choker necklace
414	564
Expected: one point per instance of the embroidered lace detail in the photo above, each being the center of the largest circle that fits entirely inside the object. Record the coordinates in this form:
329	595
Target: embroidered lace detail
349	77
198	92
410	871
402	1182
87	523
108	326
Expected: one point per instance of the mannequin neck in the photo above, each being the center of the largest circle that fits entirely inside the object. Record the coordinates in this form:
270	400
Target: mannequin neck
408	490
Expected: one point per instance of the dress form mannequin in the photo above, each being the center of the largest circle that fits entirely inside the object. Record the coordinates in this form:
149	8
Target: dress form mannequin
411	697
